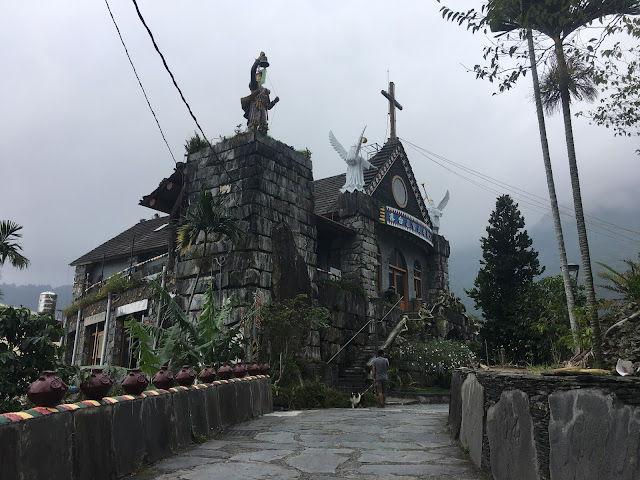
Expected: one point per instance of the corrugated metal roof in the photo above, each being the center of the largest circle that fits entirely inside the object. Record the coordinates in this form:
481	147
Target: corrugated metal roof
146	236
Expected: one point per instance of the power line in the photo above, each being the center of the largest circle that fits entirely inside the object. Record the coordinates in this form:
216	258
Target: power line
532	201
155	45
140	82
569	210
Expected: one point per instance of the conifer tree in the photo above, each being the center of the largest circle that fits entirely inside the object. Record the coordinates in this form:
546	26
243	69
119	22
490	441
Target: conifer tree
509	265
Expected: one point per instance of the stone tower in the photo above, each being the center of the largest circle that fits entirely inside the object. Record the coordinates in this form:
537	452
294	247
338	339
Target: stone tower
270	188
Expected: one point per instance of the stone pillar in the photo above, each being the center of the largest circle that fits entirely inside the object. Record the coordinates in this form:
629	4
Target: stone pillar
359	212
437	275
78	282
270	193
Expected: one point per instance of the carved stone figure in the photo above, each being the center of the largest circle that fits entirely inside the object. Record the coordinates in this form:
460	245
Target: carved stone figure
436	212
257	104
355	163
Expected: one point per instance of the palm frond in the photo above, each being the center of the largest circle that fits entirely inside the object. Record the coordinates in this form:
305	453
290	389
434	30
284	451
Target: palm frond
581	84
211	216
8	248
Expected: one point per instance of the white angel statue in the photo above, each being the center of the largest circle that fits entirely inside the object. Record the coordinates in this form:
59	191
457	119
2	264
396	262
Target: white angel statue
355	163
436	212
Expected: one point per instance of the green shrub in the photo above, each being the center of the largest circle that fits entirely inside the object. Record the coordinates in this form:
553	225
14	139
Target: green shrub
437	356
115	284
27	348
313	395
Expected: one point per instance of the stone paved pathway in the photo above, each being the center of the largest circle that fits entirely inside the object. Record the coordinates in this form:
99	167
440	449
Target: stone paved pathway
400	443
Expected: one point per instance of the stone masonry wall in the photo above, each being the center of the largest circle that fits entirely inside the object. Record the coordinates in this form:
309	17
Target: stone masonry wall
358	211
349	313
114	437
548	427
438	268
270	192
623	342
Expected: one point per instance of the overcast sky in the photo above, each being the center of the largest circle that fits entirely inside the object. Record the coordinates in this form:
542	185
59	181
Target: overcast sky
79	146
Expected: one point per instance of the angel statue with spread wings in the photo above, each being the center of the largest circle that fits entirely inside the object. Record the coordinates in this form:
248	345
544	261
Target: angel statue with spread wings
355	163
436	212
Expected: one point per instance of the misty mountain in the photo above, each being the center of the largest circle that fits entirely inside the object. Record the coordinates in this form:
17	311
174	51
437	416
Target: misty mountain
605	246
28	295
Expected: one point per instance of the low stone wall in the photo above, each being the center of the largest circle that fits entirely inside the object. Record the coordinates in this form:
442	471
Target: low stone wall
548	427
113	437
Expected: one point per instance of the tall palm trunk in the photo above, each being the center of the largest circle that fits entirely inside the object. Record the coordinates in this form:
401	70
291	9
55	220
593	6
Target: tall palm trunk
568	290
577	203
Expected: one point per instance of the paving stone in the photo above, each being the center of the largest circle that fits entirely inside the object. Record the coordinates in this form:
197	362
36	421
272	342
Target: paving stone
454	471
279	437
207	453
316	461
182	462
214	444
328	445
261	455
398	456
235	470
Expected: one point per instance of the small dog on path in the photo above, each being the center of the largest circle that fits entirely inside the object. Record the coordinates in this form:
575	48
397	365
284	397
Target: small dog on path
357	400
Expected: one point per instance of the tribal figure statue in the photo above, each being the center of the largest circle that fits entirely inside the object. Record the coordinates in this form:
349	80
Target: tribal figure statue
257	104
355	163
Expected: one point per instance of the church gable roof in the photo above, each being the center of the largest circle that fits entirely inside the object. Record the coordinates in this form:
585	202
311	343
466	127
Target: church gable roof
391	159
388	161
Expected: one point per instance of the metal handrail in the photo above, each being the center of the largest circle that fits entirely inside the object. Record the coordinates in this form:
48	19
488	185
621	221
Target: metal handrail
363	327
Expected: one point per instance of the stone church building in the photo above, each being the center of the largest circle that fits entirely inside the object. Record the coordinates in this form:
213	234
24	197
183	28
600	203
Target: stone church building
299	235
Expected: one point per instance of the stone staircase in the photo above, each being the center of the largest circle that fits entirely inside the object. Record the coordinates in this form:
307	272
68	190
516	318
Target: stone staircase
355	377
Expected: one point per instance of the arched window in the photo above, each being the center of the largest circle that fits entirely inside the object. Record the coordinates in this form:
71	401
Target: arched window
417	279
398	277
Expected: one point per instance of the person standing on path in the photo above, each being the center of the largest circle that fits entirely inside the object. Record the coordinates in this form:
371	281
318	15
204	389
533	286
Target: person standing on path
379	368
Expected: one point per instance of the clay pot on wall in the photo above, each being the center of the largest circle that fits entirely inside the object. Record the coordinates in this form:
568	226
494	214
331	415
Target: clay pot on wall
240	370
47	390
186	376
163	379
135	382
264	369
207	374
225	372
97	385
254	369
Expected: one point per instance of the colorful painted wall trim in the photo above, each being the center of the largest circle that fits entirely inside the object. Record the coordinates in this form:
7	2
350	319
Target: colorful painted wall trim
65	407
115	436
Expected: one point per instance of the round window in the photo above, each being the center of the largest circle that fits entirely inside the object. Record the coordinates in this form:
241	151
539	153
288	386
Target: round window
399	191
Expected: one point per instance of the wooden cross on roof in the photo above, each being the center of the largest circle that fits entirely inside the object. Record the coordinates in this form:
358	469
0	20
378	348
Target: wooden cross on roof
392	108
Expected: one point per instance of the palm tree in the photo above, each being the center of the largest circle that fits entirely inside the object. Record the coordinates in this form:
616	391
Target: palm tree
581	85
210	217
557	19
9	250
568	290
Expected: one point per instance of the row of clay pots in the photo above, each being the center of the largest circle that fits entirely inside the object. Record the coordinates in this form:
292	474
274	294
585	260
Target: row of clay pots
186	376
48	390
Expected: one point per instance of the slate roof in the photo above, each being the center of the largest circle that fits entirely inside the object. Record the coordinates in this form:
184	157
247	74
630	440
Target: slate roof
143	235
326	191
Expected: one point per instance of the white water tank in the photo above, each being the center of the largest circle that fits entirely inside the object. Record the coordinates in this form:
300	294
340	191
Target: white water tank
47	302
